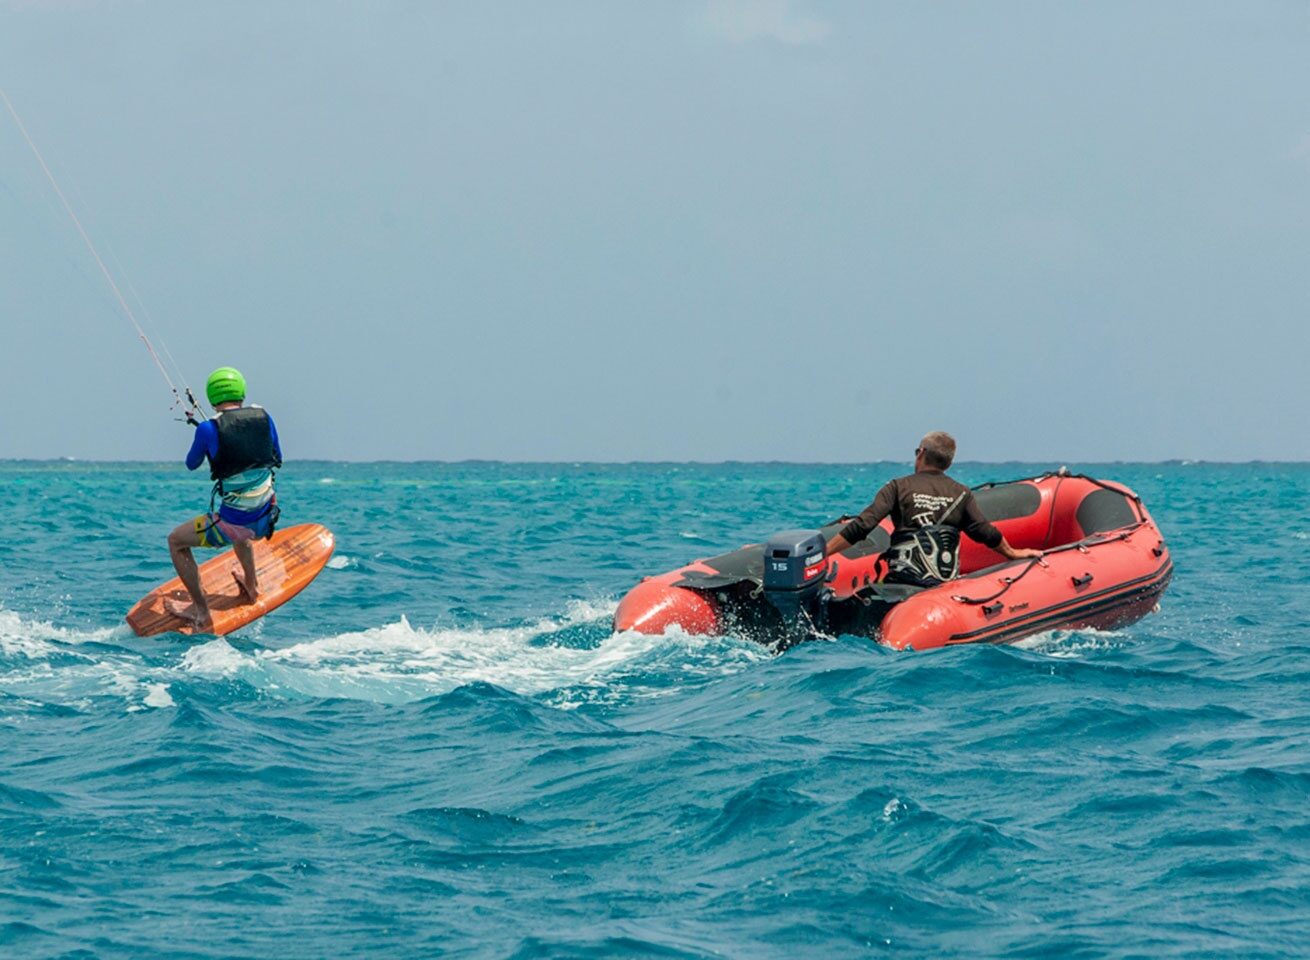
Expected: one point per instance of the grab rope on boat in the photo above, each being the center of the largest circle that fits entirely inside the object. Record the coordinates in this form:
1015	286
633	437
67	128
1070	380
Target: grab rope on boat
1081	545
1008	581
183	399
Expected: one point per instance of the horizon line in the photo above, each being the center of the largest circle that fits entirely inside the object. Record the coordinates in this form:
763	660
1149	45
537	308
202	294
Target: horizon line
1171	461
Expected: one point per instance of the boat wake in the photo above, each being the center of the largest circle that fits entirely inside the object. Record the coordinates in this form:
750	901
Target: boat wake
565	661
568	661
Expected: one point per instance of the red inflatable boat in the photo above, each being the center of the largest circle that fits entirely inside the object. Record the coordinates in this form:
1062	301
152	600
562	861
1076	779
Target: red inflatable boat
1105	565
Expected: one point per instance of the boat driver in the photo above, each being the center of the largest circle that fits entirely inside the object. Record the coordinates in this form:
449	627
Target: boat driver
242	448
928	510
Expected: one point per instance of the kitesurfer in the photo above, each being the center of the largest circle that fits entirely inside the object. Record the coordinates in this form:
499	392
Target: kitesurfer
242	447
928	509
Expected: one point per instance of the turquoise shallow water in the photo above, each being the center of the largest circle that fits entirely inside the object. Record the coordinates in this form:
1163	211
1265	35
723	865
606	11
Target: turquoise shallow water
440	749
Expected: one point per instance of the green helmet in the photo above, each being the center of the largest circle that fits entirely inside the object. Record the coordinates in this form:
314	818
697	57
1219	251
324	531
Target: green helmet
225	385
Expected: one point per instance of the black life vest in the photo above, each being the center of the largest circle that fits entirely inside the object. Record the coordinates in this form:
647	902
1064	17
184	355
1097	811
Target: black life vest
245	442
929	553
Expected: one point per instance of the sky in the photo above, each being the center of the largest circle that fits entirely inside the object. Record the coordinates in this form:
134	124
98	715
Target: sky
703	230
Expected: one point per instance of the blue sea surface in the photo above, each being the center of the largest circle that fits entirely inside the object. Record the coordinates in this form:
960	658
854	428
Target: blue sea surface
441	749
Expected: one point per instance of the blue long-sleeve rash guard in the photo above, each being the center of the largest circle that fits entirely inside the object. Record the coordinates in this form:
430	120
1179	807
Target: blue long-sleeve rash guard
205	444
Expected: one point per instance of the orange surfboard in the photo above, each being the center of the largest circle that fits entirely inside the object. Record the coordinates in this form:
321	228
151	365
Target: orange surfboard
285	565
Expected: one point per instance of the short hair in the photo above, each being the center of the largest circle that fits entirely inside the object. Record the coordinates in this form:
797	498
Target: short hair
938	449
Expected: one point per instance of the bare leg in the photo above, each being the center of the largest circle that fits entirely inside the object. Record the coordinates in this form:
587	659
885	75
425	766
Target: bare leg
180	543
249	584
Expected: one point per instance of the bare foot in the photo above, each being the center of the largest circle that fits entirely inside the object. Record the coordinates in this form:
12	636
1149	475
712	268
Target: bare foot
197	616
250	595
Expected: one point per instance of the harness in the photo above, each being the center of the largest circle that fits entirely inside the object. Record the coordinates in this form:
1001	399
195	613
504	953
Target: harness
216	492
929	553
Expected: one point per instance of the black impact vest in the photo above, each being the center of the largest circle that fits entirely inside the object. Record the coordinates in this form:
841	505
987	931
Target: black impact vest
245	441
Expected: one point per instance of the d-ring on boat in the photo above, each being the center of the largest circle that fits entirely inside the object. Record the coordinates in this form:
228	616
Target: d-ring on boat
1105	565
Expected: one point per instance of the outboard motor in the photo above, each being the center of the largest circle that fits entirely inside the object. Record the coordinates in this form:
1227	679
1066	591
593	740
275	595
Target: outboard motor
794	565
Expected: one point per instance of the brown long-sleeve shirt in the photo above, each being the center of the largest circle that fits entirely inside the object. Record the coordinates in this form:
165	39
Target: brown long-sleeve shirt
919	500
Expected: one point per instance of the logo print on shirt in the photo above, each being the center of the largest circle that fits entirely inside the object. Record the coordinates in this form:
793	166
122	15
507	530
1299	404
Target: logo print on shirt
929	507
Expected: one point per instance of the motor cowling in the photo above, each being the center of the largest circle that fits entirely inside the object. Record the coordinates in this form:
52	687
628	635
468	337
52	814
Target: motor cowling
795	562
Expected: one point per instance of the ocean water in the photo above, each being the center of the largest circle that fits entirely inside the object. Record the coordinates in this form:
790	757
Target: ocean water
440	748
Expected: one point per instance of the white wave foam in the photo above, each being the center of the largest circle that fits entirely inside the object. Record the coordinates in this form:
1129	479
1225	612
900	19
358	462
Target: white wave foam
157	696
342	562
17	640
1071	644
215	658
37	639
56	668
392	663
398	662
